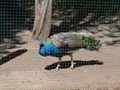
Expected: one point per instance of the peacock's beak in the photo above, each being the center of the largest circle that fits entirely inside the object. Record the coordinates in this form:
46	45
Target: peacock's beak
41	45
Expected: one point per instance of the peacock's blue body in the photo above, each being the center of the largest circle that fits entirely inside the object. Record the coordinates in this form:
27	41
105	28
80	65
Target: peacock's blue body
50	50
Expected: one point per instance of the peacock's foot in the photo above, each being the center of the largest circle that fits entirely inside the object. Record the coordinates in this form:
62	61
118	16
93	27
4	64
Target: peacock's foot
57	68
72	66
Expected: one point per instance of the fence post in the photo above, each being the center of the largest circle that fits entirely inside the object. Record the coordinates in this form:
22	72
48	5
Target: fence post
42	23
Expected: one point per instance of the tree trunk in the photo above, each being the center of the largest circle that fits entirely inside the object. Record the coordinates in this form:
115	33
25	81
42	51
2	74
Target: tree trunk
42	23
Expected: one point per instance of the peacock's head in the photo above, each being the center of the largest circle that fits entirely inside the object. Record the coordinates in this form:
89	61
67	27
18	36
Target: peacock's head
40	43
42	50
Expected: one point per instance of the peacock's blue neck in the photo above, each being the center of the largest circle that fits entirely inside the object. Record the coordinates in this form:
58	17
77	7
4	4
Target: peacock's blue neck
49	49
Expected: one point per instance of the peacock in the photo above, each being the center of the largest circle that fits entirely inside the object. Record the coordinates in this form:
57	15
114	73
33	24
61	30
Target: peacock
59	45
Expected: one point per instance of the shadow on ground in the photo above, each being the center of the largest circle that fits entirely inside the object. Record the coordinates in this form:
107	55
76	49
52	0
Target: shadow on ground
78	63
102	25
14	19
12	56
74	19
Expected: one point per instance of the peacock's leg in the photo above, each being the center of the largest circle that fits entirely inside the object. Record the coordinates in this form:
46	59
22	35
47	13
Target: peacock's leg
72	62
58	65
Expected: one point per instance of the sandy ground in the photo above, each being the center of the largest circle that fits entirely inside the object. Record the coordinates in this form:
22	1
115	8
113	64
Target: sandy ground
30	71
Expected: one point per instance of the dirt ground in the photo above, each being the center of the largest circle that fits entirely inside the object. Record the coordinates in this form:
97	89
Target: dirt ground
30	71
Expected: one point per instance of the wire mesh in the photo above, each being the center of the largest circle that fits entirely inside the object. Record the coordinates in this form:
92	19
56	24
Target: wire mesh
99	17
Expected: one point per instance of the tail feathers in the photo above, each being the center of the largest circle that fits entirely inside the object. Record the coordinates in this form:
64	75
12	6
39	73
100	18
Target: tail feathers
94	46
92	43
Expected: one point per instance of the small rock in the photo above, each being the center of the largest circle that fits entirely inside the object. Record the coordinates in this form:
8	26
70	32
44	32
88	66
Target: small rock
105	32
57	23
117	23
103	27
6	40
100	35
115	18
93	30
85	71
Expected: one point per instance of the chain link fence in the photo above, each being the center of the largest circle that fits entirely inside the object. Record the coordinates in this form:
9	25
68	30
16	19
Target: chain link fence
68	15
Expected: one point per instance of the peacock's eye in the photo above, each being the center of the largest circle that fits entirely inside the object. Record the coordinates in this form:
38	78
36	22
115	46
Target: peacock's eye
41	45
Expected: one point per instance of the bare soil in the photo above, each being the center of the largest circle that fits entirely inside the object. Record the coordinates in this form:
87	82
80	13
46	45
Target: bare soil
30	71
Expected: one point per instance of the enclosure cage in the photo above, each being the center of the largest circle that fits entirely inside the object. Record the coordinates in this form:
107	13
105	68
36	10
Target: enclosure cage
100	18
